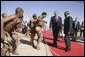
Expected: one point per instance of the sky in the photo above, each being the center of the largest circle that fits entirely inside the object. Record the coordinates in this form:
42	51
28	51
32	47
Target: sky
76	8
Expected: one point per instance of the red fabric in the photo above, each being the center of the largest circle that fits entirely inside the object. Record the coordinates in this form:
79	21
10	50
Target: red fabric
76	48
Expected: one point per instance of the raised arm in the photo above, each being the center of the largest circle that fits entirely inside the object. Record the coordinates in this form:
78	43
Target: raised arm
9	18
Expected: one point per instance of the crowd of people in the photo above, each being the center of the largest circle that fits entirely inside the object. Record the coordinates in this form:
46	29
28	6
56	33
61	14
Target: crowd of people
13	24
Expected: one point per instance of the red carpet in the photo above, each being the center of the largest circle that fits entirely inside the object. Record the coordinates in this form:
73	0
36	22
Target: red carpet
76	48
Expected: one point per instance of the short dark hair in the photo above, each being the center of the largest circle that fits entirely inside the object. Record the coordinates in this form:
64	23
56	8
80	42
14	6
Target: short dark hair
44	13
19	9
3	14
66	12
34	15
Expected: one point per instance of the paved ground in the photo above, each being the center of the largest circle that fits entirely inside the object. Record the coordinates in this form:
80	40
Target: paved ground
25	49
80	42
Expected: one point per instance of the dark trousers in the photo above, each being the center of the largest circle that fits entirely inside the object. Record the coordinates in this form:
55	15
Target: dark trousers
74	35
67	41
81	32
55	36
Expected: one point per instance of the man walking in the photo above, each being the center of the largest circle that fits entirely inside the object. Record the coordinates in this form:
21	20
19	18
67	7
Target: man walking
55	24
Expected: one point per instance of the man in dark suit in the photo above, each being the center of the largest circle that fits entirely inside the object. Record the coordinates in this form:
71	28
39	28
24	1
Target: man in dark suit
76	27
82	29
68	28
55	24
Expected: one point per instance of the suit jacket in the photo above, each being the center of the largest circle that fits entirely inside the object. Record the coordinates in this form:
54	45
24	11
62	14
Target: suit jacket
73	25
68	24
76	25
55	25
82	26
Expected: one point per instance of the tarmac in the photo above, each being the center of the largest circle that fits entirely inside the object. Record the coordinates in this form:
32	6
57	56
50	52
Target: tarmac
24	49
